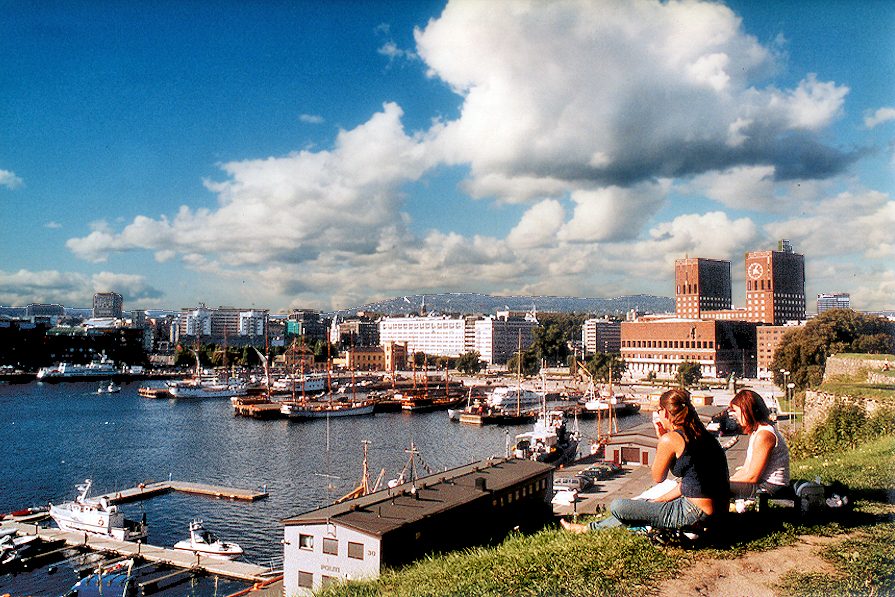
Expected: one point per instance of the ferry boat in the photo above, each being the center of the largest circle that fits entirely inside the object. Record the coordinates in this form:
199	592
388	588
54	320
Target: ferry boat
206	543
96	517
102	367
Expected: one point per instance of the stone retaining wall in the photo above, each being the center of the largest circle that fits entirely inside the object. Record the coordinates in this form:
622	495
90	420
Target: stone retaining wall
856	366
818	404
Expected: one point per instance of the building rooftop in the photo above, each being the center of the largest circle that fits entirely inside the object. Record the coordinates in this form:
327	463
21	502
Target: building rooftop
390	509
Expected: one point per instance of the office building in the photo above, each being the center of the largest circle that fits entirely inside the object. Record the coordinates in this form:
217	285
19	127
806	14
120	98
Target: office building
836	300
775	285
108	304
701	285
601	335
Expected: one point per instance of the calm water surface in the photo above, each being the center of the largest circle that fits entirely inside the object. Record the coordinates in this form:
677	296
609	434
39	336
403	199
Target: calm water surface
57	435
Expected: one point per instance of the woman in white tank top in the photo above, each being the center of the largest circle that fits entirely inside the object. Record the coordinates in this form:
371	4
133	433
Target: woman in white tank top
767	457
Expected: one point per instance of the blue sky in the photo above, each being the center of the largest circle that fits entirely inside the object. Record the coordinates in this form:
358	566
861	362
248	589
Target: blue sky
308	154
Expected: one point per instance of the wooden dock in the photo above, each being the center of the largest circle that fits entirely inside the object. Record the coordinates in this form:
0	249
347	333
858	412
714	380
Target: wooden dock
244	571
148	490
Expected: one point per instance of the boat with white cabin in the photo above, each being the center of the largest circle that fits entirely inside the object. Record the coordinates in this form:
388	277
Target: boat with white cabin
204	542
549	441
96	516
101	367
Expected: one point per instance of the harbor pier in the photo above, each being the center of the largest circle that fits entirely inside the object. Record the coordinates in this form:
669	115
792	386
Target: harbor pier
145	491
174	558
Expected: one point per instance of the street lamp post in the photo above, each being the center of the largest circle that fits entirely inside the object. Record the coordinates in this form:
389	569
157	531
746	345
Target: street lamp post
785	388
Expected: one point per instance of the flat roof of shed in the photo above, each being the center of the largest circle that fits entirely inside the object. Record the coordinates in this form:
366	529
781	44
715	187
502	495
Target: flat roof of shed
392	508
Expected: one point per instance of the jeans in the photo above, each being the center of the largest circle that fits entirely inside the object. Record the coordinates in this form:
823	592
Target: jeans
676	514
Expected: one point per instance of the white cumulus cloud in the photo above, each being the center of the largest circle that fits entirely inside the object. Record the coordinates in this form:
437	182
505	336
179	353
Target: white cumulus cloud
9	180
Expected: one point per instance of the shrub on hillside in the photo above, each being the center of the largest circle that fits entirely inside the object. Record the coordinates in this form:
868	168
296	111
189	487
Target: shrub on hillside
845	427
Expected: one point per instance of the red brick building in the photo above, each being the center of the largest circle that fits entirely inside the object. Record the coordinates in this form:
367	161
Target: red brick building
660	346
775	287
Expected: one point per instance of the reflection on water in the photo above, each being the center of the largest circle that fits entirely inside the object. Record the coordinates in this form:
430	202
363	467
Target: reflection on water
57	435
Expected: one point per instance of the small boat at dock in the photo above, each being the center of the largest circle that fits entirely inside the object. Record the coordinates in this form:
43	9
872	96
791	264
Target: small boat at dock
204	542
96	516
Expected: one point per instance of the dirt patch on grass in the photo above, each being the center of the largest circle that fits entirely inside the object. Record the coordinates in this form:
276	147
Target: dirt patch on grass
752	575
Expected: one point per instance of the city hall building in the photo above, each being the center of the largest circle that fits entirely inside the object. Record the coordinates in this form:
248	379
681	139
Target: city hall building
660	346
469	505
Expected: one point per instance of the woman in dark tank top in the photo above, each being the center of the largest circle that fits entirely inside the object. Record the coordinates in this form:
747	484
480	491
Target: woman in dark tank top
689	452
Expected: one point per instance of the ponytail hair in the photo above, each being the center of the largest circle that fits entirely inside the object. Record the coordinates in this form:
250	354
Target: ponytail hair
681	412
755	411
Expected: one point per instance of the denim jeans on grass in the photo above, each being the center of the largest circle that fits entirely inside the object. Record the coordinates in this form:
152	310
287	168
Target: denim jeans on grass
676	514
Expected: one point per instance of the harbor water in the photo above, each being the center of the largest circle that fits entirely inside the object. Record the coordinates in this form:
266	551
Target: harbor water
58	435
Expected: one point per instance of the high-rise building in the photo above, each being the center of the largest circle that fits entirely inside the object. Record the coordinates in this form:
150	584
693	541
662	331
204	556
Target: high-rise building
701	285
835	300
107	304
775	285
601	335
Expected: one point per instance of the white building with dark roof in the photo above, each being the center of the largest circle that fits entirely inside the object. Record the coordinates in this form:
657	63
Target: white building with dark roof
465	506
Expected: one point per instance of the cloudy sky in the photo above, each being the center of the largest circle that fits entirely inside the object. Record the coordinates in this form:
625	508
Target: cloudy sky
325	154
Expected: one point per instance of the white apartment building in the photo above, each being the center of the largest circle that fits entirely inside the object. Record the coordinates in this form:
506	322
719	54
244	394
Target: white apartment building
252	323
196	323
438	335
601	335
495	337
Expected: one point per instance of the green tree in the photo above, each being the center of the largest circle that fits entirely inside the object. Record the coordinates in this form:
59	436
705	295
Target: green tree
550	339
803	351
688	373
470	362
531	363
602	363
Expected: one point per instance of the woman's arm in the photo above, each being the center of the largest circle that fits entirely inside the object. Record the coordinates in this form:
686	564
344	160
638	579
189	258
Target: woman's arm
765	441
670	444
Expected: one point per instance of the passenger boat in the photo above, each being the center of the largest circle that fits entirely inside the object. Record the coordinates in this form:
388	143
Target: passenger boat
113	580
206	543
309	383
320	410
513	399
96	517
202	388
102	367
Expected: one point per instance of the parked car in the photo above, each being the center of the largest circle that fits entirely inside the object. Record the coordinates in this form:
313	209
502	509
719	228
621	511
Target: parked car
577	482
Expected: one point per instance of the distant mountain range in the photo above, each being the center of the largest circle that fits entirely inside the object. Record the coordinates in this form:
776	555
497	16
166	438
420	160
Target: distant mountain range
487	304
468	303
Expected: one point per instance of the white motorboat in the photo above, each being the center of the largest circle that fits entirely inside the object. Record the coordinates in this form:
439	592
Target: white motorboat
13	548
96	517
112	388
204	542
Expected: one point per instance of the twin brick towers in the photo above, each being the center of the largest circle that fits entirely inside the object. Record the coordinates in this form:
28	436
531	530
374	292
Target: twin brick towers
775	287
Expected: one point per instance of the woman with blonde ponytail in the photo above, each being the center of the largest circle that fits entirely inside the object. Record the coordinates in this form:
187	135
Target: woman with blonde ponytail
690	453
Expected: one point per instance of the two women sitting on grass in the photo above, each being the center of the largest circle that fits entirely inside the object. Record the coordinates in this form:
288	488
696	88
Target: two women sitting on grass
690	453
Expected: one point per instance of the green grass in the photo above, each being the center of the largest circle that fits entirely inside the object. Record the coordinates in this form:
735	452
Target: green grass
866	357
618	562
884	392
551	562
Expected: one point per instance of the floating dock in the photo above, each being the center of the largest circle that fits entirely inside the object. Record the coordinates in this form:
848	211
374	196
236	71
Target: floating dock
175	558
148	490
